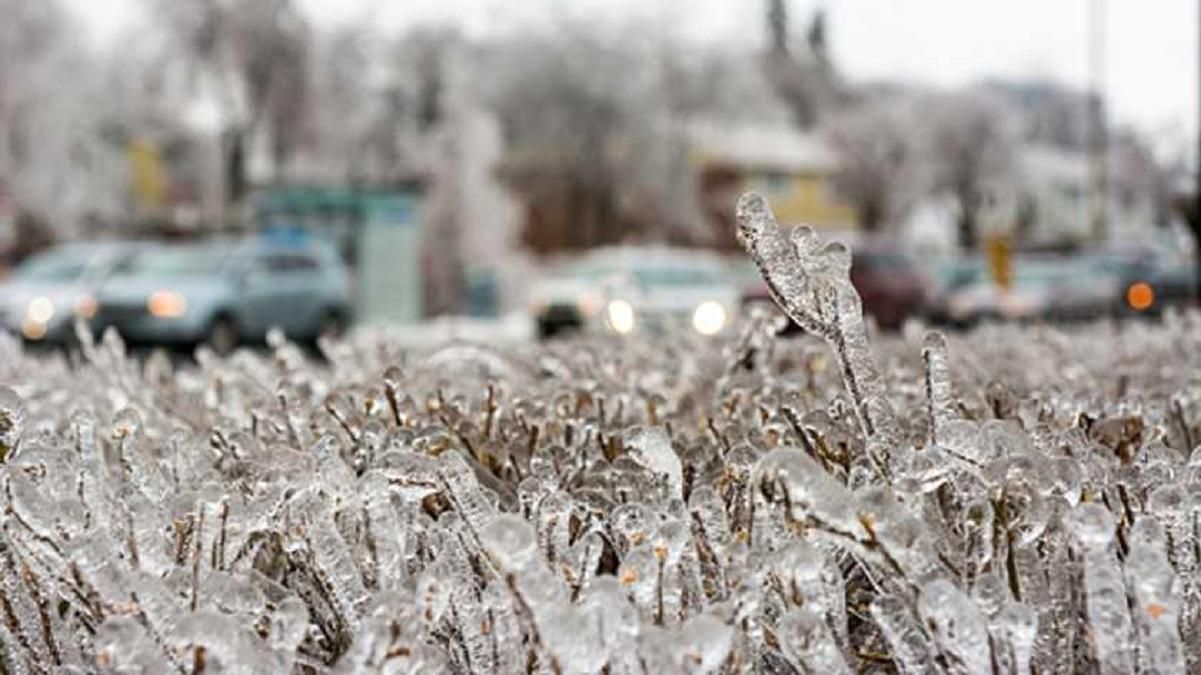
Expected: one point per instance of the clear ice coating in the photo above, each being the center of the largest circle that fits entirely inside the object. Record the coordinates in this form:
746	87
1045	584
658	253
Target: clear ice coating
1021	500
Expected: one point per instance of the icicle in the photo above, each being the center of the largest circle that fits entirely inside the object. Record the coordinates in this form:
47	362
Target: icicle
1105	590
939	400
1151	581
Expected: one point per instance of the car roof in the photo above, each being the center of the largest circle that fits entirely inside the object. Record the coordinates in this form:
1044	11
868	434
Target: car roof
248	245
632	257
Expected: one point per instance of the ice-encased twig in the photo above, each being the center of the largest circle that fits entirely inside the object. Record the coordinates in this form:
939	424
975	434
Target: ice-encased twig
811	283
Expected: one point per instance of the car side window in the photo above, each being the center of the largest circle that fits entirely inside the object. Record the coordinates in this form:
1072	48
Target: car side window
275	264
287	263
303	263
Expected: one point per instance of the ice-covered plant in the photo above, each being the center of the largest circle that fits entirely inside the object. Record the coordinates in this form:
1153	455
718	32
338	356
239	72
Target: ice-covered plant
1016	499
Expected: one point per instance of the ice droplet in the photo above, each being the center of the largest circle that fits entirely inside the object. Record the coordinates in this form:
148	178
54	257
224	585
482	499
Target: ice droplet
958	625
12	421
652	447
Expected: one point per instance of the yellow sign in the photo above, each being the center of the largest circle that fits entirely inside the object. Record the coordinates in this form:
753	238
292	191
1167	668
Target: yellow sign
148	175
1000	260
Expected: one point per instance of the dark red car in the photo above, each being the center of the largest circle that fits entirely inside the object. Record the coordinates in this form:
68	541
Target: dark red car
889	283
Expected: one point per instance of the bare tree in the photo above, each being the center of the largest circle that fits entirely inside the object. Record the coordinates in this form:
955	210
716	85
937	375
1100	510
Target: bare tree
49	121
972	148
879	159
258	53
591	147
807	81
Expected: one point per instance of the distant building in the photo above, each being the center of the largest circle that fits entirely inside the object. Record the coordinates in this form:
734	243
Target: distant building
793	169
1047	202
1053	203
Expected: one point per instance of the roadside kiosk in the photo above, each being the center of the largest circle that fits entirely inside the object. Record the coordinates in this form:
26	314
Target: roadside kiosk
376	231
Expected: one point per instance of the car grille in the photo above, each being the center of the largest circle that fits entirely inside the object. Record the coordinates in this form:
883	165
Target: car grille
118	313
561	312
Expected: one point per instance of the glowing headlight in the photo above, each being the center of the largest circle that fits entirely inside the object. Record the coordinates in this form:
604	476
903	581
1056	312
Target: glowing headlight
34	330
1014	306
86	306
620	314
167	305
960	307
590	303
709	318
40	310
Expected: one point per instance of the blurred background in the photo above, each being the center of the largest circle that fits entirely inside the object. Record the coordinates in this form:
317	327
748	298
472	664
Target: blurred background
202	170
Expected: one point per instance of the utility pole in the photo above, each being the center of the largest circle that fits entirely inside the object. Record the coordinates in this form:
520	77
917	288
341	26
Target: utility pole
1197	158
1098	137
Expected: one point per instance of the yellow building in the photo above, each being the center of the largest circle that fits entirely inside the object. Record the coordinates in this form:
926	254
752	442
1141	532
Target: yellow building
792	169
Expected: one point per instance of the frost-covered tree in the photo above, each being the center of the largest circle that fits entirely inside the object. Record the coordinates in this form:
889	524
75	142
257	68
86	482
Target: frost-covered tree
972	150
880	162
256	53
595	146
52	163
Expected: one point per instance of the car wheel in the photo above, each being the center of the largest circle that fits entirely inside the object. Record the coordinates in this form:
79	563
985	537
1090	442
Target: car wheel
222	335
333	324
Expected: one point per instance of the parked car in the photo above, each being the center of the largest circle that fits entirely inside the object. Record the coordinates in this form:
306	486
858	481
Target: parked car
1055	288
1148	289
45	293
631	289
227	292
889	284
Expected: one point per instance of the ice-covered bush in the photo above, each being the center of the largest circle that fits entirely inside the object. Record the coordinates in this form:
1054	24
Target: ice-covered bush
1014	500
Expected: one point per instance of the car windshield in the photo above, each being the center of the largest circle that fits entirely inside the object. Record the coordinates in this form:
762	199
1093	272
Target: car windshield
176	263
54	266
650	277
884	262
960	274
675	276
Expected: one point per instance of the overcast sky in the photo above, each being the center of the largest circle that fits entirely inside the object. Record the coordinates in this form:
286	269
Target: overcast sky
1150	57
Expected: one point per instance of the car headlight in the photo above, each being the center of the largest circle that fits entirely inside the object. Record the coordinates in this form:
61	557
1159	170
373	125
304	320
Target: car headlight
167	305
590	303
959	307
33	330
1013	306
709	318
86	306
620	316
40	310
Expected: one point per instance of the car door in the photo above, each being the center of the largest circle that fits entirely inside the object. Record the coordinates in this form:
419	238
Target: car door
282	290
263	298
302	299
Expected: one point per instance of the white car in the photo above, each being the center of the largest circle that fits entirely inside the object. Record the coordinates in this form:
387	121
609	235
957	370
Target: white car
634	289
46	292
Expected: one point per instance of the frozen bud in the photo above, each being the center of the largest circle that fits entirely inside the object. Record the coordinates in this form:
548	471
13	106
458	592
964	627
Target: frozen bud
510	541
957	623
991	593
652	448
1092	524
1019	625
962	439
807	641
1167	500
126	424
1067	479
